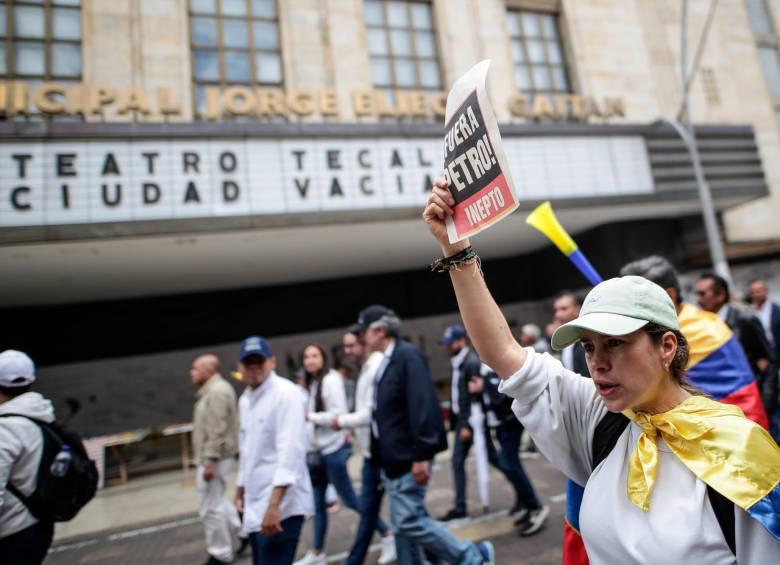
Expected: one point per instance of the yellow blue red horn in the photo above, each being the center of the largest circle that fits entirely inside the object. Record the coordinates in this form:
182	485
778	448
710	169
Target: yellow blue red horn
543	218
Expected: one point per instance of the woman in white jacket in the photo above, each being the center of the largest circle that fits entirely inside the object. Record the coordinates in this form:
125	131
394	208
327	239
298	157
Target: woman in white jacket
329	449
652	497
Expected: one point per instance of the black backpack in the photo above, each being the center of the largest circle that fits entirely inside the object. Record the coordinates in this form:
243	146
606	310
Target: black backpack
59	499
607	432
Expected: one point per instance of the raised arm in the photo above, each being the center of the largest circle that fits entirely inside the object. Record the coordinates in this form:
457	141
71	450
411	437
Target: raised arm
559	408
485	323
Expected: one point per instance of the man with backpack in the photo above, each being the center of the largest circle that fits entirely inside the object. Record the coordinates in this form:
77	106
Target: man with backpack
24	539
528	512
45	473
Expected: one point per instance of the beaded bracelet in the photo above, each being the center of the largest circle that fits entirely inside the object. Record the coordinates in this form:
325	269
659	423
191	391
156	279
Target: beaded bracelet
456	261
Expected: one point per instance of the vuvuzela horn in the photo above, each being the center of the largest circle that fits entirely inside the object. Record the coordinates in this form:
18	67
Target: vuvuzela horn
543	218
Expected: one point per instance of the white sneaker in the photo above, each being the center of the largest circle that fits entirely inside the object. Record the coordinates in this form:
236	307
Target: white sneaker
312	558
388	551
535	521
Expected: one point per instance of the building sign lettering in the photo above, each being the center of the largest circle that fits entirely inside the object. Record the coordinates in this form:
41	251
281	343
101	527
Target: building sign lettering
89	100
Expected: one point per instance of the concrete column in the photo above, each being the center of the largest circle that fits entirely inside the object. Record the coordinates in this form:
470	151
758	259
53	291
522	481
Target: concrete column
142	43
347	48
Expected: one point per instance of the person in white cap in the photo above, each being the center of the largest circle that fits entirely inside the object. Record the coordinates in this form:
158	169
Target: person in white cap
670	475
24	540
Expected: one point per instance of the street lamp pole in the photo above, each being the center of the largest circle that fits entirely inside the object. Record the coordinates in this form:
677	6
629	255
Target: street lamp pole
717	255
688	136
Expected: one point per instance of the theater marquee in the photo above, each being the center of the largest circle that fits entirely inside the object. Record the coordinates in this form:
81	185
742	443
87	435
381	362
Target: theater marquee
52	183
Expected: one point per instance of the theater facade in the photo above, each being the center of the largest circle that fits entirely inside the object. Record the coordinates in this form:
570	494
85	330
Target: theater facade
177	175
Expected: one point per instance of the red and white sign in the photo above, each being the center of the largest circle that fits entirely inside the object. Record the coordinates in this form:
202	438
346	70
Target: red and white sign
475	164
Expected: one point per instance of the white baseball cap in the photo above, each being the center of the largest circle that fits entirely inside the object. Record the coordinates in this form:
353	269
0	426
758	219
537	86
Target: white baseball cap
16	369
619	306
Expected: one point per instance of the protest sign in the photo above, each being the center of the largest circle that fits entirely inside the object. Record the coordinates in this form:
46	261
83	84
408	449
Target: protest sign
475	164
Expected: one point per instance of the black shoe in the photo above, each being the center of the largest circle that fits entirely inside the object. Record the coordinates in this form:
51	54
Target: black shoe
243	543
452	515
519	513
214	561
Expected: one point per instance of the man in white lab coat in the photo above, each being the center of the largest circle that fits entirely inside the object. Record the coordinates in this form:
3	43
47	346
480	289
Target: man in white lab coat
274	489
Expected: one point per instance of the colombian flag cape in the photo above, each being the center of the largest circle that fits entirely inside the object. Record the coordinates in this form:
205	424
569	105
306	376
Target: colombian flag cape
736	457
717	365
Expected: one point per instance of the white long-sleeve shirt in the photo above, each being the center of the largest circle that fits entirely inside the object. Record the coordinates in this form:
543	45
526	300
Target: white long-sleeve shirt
560	410
764	313
273	451
21	448
334	398
360	419
455	363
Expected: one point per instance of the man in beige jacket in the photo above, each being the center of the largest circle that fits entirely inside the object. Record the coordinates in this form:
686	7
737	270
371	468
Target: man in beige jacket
215	445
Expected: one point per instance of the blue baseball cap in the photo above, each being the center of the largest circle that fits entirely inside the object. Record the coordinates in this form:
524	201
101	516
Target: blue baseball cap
255	345
452	334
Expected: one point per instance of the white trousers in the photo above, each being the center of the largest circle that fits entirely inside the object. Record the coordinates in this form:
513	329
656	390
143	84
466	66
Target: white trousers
219	516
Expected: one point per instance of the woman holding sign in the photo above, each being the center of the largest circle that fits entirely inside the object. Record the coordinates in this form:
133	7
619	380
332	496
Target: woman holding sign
670	476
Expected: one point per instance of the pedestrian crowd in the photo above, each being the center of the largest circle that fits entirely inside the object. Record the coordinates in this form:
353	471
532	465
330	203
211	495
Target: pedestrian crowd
661	414
294	440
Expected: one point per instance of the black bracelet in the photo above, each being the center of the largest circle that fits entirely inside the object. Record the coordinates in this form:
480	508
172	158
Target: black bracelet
456	261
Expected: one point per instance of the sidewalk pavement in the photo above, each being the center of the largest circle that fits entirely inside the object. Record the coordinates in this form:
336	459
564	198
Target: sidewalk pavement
154	520
155	498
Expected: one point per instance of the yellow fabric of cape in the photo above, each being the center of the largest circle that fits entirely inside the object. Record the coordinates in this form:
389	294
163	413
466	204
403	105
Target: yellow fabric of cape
732	454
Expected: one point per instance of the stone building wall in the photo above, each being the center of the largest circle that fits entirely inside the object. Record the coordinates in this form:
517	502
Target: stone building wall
616	48
142	43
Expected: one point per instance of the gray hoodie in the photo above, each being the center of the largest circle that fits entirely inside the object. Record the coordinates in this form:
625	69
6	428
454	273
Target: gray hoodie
21	445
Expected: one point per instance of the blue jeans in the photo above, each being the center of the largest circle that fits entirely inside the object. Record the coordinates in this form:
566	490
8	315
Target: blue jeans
280	548
415	530
507	461
336	464
371	493
459	454
508	435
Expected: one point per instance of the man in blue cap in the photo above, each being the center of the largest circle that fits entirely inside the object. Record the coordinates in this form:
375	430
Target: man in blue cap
465	367
274	490
475	389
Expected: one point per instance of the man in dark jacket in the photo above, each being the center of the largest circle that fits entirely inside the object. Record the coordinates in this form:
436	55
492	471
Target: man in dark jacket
465	367
475	387
407	431
566	307
713	295
768	313
528	512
